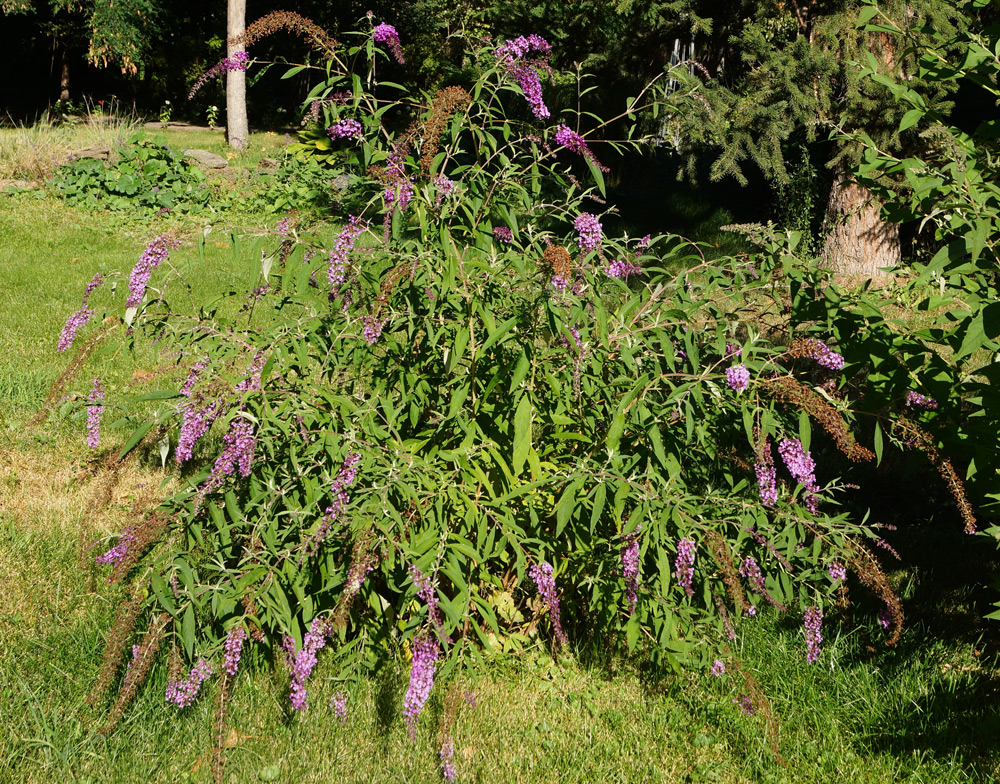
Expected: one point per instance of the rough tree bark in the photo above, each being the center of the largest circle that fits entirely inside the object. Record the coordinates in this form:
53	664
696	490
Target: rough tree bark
858	241
237	130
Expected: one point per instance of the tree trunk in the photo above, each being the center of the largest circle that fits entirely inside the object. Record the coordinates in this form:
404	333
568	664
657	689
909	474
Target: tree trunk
237	131
858	241
64	79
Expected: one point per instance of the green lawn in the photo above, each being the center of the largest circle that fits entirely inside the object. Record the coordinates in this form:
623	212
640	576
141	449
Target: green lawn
922	711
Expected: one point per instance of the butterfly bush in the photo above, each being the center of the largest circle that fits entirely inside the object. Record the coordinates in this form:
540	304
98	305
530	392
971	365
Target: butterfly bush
495	412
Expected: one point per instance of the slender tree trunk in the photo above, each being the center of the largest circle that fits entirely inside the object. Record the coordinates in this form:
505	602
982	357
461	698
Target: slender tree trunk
858	241
64	78
237	130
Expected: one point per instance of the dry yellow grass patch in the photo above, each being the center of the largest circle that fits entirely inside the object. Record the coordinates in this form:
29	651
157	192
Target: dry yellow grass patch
52	504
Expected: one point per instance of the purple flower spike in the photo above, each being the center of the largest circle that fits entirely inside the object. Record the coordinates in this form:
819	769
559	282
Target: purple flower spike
234	649
916	400
822	354
813	621
426	591
546	585
152	257
79	319
802	468
503	234
630	570
338	702
345	129
589	228
766	475
341	252
684	565
340	498
184	692
304	661
425	654
386	34
622	270
95	410
510	56
571	140
446	754
238	62
837	572
738	378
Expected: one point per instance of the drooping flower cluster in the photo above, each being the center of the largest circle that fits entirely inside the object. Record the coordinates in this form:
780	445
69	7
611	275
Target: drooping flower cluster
684	565
95	410
240	445
238	62
589	228
425	654
511	56
630	570
559	264
116	553
340	498
345	129
445	187
79	319
916	400
233	649
767	481
152	257
819	351
338	703
372	329
336	271
577	345
304	661
738	378
446	755
571	140
425	590
546	585
621	269
195	422
837	571
184	692
386	34
812	621
503	234
751	571
802	468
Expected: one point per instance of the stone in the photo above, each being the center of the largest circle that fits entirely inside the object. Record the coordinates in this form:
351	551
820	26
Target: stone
206	159
97	151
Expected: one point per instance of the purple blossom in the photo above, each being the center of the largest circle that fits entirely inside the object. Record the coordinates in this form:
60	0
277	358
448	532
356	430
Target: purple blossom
738	378
589	228
819	351
116	553
571	140
916	400
233	649
304	661
372	329
284	227
750	611
195	423
559	283
184	692
802	468
733	350
630	570
745	703
766	475
684	565
252	379
718	668
338	702
386	34
510	56
238	62
240	445
340	498
345	129
342	247
812	621
751	571
192	377
503	234
622	270
445	187
155	254
79	319
885	617
426	591
425	654
837	571
446	755
95	410
546	585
